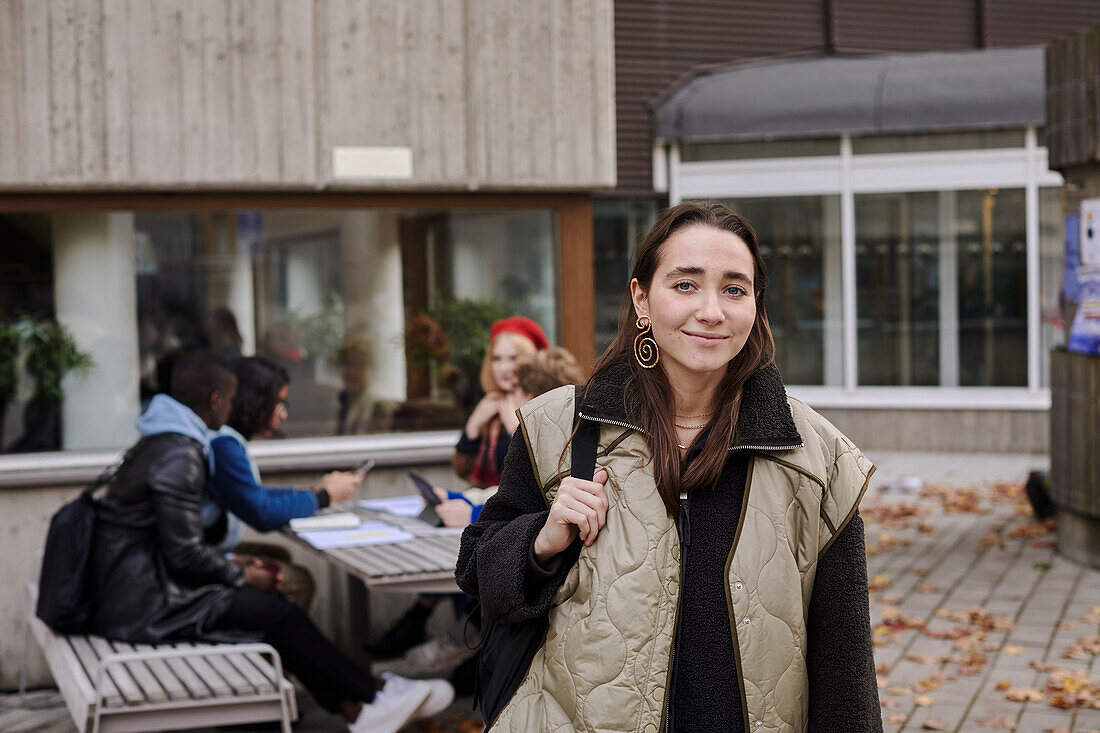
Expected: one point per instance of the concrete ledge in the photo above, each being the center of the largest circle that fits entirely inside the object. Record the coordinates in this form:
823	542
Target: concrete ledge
68	468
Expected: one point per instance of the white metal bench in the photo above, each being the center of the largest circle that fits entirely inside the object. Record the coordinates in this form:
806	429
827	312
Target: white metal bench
113	686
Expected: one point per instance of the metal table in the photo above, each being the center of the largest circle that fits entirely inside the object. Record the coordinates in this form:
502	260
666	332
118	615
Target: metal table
424	564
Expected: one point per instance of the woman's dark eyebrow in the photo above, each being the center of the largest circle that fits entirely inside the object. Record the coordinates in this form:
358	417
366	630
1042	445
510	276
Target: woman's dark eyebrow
686	270
676	272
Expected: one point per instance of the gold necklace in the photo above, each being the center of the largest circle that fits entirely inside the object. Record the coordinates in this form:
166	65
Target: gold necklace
688	417
689	427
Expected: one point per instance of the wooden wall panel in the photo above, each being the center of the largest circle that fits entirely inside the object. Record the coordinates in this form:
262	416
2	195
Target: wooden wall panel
1021	22
902	25
189	94
658	43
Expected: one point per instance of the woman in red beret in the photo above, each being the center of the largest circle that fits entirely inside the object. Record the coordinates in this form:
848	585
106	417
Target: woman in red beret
480	452
478	459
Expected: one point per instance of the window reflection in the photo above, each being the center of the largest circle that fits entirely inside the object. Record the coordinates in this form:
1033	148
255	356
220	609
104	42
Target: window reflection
897	288
992	288
380	317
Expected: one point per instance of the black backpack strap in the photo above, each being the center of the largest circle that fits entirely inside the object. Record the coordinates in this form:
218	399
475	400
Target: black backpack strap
108	474
512	646
586	439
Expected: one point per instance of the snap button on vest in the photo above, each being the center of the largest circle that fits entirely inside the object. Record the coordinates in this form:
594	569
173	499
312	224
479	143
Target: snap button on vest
738	586
651	728
746	622
673	587
675	552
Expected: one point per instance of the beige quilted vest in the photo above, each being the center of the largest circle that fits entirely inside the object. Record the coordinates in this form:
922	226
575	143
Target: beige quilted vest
604	665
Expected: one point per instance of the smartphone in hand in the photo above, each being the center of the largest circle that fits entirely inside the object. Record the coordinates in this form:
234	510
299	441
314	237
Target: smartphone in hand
430	498
425	489
364	467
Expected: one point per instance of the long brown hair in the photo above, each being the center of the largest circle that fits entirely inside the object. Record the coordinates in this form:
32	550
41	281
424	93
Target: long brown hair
651	386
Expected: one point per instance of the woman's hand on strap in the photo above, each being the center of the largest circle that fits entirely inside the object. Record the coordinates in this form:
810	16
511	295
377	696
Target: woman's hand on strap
579	510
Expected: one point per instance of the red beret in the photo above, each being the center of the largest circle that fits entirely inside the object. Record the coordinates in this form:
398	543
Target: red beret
522	325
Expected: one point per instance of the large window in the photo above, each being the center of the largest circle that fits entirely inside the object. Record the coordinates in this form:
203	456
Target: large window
908	261
379	316
800	242
942	288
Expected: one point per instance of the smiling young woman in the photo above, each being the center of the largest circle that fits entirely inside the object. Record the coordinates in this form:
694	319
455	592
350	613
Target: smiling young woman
712	575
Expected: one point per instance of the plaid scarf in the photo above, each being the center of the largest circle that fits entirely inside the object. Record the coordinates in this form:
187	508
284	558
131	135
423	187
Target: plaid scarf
486	472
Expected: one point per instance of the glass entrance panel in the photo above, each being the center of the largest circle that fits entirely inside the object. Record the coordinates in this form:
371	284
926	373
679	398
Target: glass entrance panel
898	288
942	288
992	286
800	240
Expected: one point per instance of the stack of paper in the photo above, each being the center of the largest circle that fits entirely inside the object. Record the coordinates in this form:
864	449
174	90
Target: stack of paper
335	520
368	533
402	506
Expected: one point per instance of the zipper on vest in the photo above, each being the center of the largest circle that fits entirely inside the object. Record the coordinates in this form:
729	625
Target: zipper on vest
610	422
683	524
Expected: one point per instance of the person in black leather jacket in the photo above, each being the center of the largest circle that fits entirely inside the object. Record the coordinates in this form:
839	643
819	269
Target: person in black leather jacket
157	580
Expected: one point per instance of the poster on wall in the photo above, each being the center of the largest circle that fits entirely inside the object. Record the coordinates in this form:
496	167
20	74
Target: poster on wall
1090	232
1073	257
1084	333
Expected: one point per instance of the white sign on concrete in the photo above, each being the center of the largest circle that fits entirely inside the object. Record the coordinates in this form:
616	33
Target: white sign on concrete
376	163
1090	232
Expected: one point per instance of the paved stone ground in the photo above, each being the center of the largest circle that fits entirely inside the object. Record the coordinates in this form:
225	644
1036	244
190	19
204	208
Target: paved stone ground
1021	602
983	587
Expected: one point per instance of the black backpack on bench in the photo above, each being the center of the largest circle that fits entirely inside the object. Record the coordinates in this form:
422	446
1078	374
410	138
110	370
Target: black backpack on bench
507	649
65	593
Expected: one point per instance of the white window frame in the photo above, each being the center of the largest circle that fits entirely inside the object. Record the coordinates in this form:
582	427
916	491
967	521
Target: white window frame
849	175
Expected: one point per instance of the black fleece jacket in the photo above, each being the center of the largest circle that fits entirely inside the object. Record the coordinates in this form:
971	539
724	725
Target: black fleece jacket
496	563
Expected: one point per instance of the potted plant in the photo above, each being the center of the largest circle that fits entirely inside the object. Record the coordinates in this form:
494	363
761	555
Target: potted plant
466	324
49	353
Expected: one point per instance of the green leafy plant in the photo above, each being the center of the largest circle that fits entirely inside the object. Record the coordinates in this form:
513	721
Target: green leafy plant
50	354
321	331
466	323
10	342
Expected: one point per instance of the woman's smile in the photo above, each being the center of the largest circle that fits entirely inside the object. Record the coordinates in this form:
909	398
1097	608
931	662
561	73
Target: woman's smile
708	340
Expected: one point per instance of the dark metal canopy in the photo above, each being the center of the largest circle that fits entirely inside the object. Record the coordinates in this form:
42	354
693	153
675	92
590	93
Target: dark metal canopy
826	96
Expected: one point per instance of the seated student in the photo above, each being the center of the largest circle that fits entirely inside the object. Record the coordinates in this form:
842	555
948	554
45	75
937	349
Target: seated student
156	580
535	374
235	488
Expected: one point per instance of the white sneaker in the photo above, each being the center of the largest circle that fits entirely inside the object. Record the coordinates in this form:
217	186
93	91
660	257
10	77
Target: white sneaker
441	694
394	705
436	656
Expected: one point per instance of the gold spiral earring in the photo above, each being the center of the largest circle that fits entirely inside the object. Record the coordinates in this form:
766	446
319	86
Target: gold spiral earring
645	348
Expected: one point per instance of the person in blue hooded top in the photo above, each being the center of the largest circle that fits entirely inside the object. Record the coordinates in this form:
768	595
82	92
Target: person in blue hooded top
155	578
237	496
